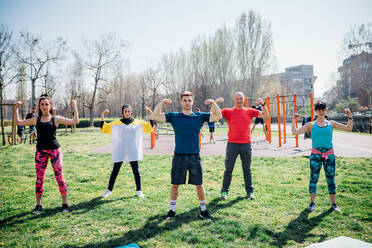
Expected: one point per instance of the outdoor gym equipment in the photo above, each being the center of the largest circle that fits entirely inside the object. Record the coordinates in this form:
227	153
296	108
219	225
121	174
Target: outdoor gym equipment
281	100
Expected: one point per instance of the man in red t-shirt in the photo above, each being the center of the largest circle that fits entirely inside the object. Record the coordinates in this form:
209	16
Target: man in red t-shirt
239	141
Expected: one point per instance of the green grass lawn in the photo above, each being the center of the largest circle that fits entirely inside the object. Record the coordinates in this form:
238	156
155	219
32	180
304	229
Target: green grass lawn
277	218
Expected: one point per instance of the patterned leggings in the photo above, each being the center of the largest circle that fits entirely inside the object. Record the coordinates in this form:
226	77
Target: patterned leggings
329	168
41	161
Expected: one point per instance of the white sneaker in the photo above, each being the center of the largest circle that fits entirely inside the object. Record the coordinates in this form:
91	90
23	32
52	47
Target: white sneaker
107	193
140	194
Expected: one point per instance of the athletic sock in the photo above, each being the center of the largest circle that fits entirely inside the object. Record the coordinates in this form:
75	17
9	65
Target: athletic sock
173	205
203	206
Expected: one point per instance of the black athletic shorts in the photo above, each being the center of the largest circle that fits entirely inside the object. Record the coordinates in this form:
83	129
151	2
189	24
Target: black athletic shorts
211	129
182	163
259	120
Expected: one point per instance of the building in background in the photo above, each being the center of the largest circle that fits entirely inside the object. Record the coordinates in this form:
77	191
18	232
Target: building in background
295	79
300	80
356	79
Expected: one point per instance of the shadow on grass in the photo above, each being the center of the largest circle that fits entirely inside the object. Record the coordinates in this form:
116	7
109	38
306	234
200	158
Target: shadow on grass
84	206
298	229
157	224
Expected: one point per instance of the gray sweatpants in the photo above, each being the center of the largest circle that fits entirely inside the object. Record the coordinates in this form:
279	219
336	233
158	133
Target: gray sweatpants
232	152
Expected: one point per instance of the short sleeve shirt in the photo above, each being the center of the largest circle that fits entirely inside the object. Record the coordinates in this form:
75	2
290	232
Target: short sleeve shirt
239	122
186	130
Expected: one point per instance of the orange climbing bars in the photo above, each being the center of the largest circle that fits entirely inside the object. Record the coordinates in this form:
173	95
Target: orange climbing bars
246	102
268	120
278	108
295	110
284	127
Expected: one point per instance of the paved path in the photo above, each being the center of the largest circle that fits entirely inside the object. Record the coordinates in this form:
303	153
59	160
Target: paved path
345	144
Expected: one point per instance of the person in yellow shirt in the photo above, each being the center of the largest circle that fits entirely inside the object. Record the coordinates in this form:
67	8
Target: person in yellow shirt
107	128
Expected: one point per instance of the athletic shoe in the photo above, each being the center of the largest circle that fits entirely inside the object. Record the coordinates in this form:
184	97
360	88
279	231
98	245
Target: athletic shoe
224	195
311	207
204	215
107	193
65	208
335	207
170	214
140	194
37	209
251	196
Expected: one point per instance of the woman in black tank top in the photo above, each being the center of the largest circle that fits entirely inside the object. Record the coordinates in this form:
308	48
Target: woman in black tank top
47	146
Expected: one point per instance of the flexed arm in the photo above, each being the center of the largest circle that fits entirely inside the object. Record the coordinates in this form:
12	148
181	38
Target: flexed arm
349	126
66	121
148	110
216	111
264	112
158	114
26	122
301	130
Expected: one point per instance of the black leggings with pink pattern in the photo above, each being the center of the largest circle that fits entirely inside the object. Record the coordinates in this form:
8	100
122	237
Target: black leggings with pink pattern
41	161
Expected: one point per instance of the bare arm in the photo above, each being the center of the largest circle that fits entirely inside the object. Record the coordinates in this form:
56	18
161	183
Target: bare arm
105	112
216	111
348	127
27	122
219	100
264	113
296	131
148	110
158	115
66	121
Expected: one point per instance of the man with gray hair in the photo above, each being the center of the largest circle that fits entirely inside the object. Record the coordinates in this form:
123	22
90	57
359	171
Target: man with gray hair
239	141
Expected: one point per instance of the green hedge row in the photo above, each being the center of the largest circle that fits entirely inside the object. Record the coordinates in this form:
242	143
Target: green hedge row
85	123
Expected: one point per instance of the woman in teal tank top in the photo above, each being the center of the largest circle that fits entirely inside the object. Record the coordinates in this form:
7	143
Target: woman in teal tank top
322	150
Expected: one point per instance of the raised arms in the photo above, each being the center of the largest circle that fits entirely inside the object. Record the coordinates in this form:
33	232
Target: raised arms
27	122
216	111
66	121
158	114
348	127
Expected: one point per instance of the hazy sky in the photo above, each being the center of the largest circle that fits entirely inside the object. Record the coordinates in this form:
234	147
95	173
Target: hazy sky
304	32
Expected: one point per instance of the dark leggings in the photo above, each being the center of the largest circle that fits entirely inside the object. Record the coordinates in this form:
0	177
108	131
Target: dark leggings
115	172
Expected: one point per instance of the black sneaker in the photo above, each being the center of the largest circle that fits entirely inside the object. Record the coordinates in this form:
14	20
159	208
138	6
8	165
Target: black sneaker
311	207
204	215
170	214
65	208
335	207
37	210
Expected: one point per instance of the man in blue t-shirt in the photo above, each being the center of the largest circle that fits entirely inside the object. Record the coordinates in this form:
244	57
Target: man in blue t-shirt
187	125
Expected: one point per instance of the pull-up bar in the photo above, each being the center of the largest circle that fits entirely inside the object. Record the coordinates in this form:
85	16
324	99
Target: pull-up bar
281	99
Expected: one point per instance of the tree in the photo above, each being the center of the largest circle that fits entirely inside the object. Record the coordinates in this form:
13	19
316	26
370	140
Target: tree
22	91
100	58
254	50
38	54
144	89
8	70
356	72
155	78
351	103
357	39
202	71
224	63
